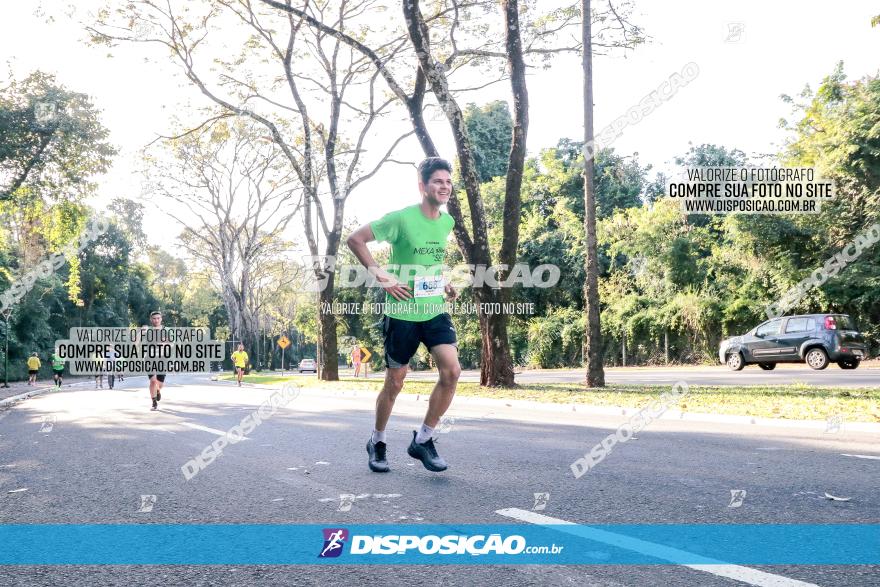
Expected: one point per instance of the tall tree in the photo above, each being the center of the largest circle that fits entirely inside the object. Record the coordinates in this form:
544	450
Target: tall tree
52	144
239	195
440	42
593	332
51	141
319	105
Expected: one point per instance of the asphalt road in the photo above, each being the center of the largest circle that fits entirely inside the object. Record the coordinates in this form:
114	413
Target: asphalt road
106	449
751	375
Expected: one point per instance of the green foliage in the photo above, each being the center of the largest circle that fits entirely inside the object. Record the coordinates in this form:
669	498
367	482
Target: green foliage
620	180
555	340
839	134
51	141
700	278
664	276
489	128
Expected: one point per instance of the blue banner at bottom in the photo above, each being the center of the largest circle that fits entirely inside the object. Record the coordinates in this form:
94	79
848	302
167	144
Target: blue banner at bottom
455	544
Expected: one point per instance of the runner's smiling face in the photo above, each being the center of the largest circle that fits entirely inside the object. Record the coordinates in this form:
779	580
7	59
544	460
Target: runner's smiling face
156	320
438	189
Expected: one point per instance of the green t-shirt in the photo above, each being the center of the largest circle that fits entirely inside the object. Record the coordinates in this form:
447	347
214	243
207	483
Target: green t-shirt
419	243
57	362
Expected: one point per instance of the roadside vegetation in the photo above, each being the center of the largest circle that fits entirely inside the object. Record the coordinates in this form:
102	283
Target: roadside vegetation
797	401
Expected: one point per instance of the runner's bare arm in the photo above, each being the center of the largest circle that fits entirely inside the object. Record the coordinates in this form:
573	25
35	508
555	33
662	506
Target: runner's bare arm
357	242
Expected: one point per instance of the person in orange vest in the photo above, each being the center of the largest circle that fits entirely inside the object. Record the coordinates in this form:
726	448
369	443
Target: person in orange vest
356	358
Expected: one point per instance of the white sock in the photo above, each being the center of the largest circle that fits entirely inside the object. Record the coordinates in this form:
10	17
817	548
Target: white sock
378	436
424	434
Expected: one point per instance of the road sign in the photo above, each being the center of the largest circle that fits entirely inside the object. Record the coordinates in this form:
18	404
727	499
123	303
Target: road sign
365	359
283	342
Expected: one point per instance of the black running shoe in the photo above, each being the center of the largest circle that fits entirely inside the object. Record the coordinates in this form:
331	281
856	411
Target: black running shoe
426	453
378	462
155	405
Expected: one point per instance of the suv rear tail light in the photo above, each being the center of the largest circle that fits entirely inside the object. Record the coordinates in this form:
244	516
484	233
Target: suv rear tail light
830	324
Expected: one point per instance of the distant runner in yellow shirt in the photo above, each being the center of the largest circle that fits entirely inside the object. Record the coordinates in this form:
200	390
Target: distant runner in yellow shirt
239	359
33	364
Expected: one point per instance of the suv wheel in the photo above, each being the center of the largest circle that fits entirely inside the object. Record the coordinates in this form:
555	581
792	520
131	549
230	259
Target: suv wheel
816	358
767	366
735	362
848	364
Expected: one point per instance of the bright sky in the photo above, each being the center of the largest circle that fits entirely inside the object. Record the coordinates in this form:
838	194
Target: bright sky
748	54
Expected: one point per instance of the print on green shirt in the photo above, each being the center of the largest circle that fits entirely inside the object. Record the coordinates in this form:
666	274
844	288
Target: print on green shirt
419	242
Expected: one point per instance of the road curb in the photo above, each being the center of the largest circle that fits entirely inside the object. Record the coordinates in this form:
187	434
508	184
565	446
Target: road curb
627	412
675	415
23	396
35	392
245	385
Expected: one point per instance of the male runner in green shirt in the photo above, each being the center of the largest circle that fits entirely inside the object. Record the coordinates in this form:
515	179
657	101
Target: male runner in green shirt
414	307
57	369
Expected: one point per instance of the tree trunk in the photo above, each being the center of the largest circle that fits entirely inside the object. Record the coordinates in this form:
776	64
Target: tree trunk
593	332
666	346
496	364
517	157
241	321
497	368
329	359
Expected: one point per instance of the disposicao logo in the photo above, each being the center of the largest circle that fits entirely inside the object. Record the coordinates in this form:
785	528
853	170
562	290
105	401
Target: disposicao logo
334	540
443	545
407	544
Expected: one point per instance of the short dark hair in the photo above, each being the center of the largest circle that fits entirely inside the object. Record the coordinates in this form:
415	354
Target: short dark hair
155	313
430	165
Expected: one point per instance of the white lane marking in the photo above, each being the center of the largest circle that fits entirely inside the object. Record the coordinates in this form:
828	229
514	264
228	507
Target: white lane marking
206	429
872	457
750	575
708	565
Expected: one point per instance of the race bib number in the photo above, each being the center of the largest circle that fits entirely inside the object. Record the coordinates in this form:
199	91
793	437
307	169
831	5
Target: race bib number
424	287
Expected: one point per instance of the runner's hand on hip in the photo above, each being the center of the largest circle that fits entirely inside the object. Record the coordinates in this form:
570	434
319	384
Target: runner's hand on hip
392	286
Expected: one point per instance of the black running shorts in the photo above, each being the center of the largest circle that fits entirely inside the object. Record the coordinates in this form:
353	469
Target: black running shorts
159	377
402	337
